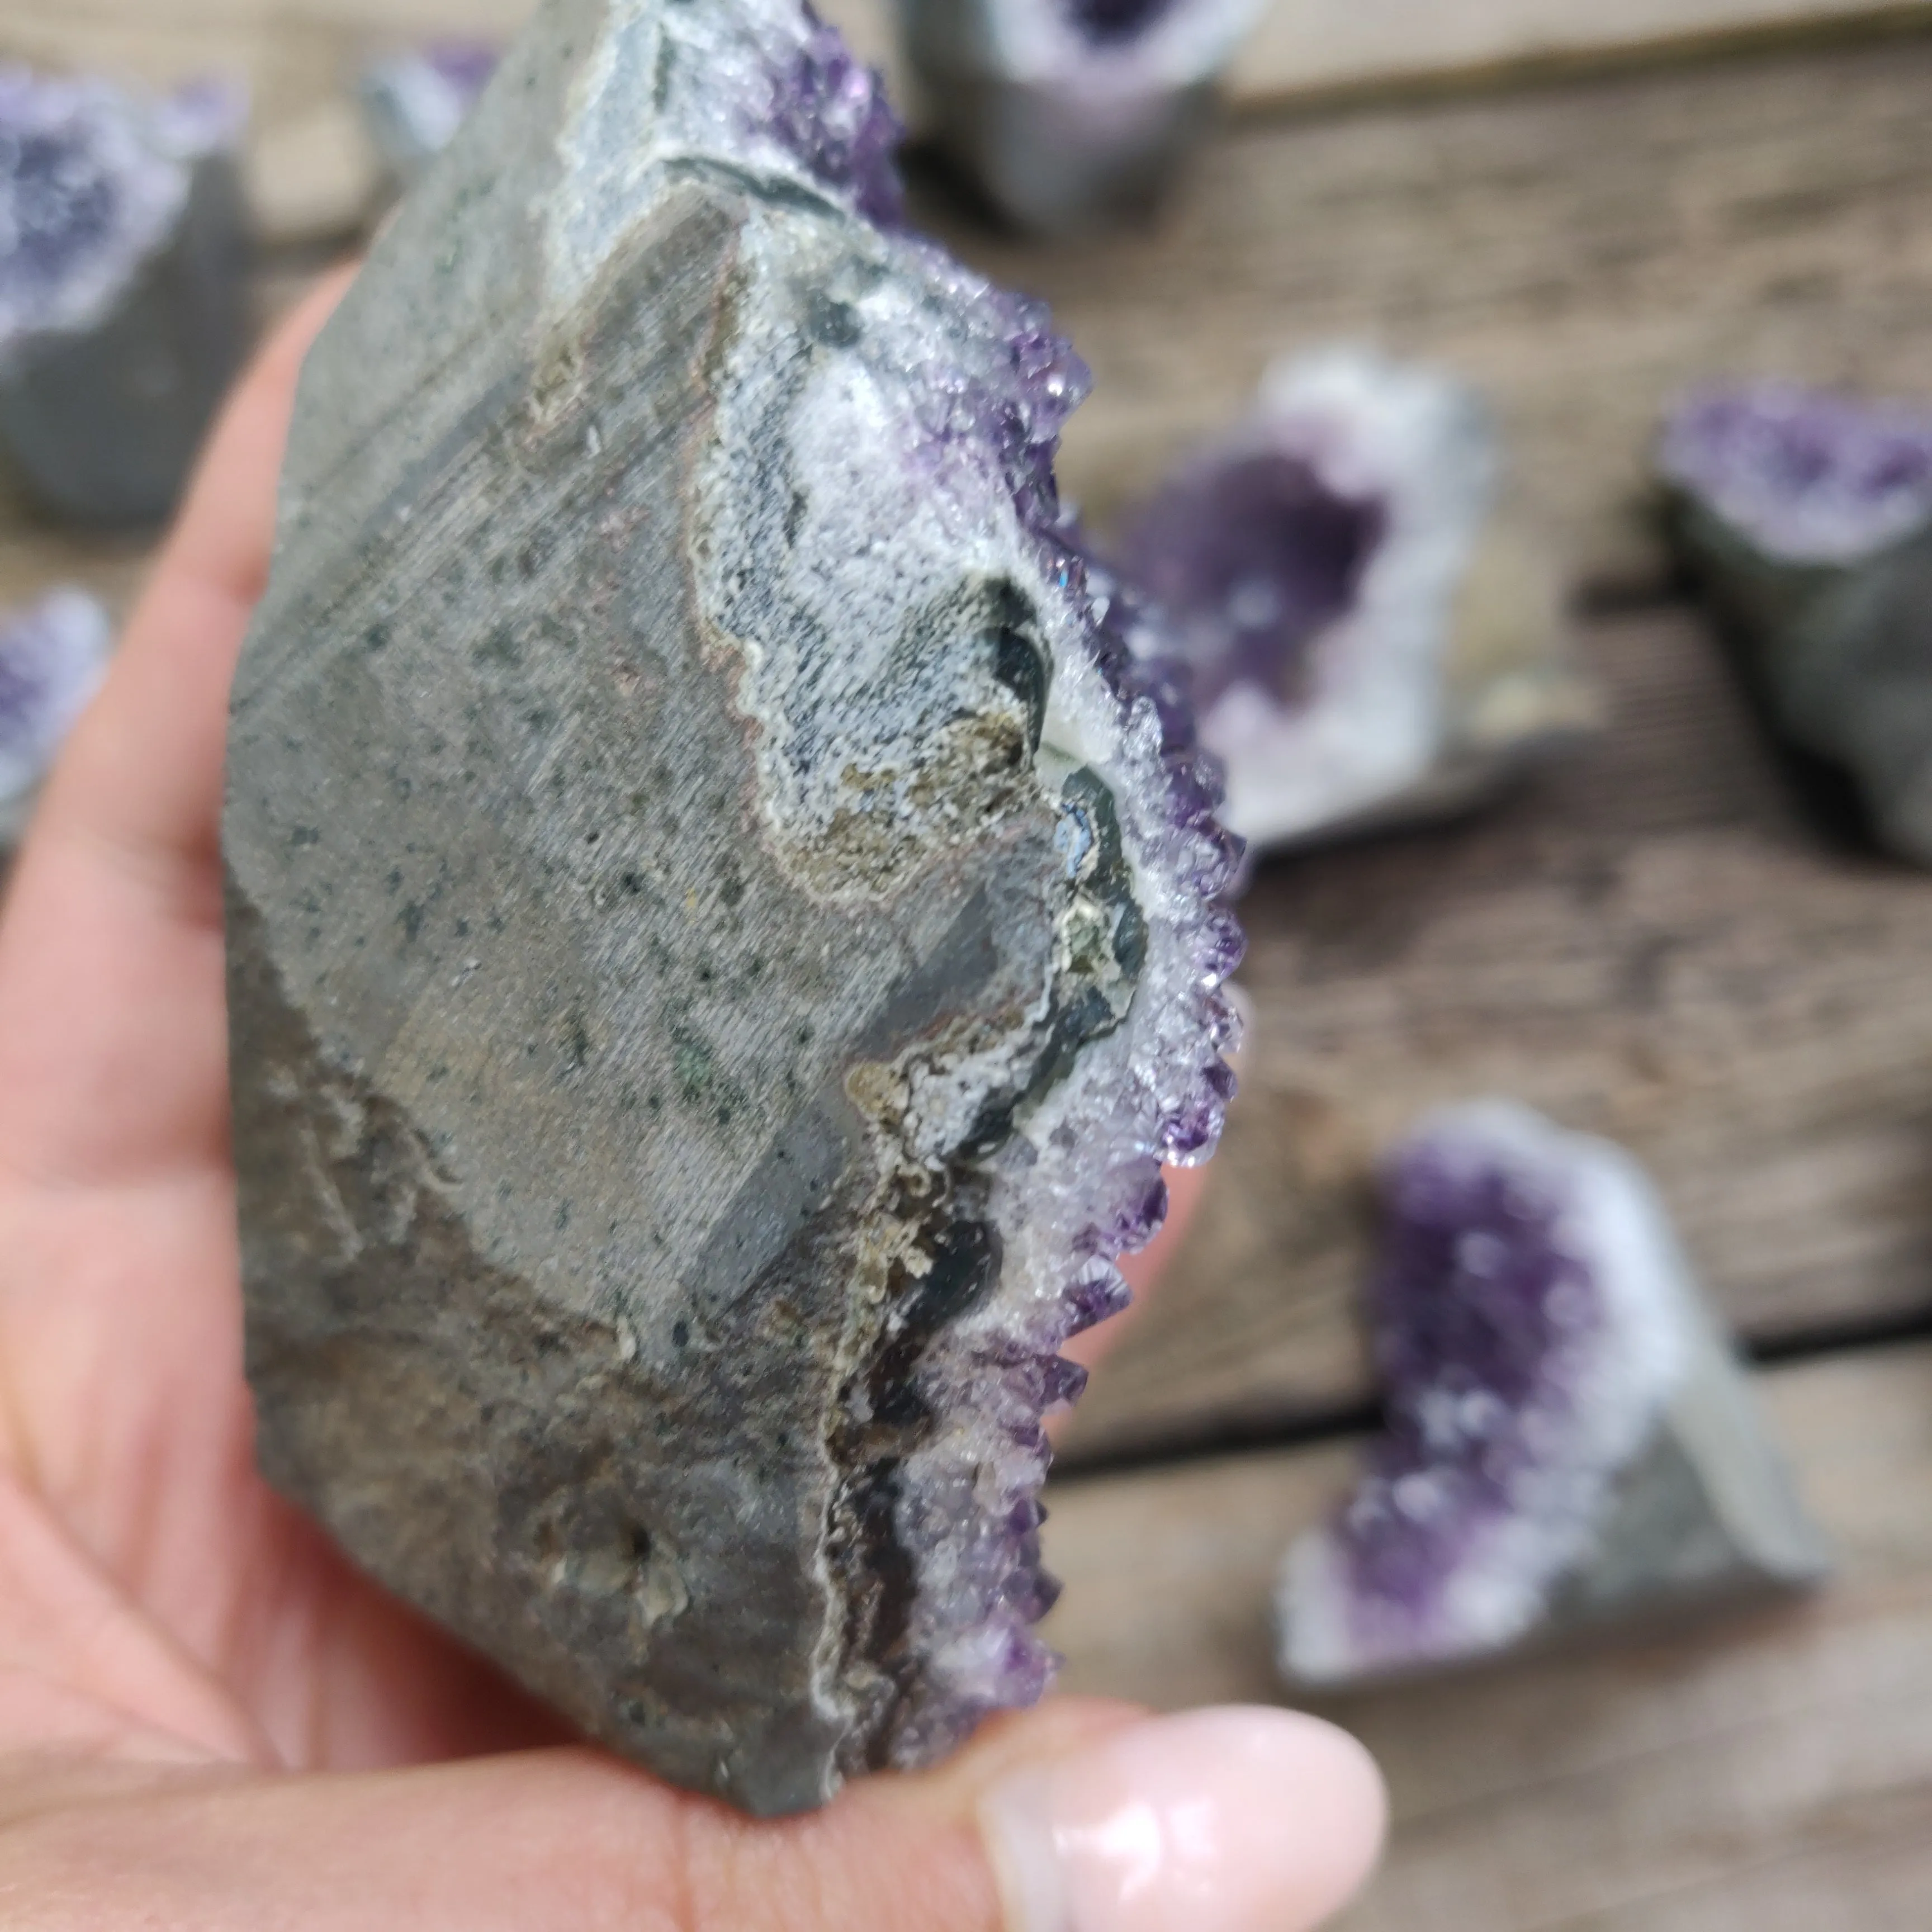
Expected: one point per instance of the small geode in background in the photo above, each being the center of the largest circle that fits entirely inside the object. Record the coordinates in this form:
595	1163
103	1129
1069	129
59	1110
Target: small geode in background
721	929
1568	1442
414	101
1809	516
53	655
123	287
1070	114
1370	641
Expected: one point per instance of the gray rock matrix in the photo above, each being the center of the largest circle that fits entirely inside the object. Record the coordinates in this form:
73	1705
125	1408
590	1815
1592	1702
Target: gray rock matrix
713	969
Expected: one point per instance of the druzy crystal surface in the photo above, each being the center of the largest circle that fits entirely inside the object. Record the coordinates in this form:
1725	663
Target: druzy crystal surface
53	654
1366	640
121	269
1809	516
1071	113
1567	1439
721	936
415	100
1805	476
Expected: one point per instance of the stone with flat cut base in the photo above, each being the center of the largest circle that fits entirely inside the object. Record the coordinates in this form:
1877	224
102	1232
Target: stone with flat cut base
722	936
1808	516
1570	1443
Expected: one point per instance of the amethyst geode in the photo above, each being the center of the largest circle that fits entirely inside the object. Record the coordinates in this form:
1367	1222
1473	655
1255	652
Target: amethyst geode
1369	641
1809	516
1071	113
122	287
53	654
721	935
1568	1440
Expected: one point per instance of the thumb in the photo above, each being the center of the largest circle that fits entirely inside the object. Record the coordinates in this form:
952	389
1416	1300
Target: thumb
1080	1817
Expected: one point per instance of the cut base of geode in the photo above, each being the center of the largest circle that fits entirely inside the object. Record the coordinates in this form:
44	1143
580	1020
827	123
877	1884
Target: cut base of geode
123	308
1571	1444
721	936
1372	641
1808	517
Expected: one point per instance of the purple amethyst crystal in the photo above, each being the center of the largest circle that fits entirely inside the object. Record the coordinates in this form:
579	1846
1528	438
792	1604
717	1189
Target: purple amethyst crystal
1805	476
1362	646
122	273
698	829
832	111
1566	1439
53	655
1808	516
414	101
1068	113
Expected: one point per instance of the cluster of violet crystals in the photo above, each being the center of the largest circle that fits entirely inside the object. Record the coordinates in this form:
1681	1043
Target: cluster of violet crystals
53	654
1307	564
1808	517
1001	383
1528	1323
832	110
1807	476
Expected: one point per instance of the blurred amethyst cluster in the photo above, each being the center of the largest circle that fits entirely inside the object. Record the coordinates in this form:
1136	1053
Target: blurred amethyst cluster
1808	517
1254	555
122	268
1565	1433
53	655
1368	641
1071	113
1808	476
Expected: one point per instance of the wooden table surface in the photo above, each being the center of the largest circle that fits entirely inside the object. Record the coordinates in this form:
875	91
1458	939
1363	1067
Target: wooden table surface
1669	939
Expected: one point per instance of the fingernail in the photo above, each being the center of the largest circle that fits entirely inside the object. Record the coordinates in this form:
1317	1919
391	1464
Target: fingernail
1237	1820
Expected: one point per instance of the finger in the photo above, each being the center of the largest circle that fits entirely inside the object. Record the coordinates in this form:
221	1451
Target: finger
1079	1818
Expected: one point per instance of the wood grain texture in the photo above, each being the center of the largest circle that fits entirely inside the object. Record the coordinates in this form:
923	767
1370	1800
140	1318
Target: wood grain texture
1298	49
1774	1772
1582	250
1650	942
1325	48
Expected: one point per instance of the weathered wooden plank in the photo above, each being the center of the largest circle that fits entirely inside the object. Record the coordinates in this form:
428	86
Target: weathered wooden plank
1647	942
1582	250
1299	50
1774	1772
1325	48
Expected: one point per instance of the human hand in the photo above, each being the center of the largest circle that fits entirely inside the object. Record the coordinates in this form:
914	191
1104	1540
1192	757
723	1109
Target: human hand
207	1717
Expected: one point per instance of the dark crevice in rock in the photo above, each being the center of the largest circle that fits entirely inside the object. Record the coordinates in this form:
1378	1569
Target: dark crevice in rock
883	1418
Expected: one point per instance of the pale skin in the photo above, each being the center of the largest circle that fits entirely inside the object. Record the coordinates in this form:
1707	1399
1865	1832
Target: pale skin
207	1719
